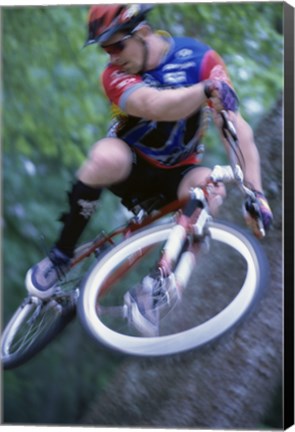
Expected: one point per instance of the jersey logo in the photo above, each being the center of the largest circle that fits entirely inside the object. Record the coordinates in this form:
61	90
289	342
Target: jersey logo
116	76
172	66
175	77
151	81
183	53
126	82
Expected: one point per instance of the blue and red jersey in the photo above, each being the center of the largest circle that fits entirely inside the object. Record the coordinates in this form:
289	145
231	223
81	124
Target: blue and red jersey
164	144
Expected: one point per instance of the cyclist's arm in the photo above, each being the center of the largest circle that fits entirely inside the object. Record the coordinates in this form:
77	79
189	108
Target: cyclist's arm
165	105
248	148
213	67
175	104
136	98
250	152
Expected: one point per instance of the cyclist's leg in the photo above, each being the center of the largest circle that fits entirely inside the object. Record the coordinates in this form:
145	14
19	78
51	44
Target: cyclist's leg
194	177
146	181
141	184
109	162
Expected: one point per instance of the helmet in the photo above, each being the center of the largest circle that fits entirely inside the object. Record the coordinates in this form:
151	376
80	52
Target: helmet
105	20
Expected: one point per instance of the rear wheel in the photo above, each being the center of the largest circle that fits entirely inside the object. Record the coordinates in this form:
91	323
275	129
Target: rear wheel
212	303
34	324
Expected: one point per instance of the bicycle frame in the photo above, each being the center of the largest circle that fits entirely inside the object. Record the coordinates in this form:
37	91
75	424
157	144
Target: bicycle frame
126	230
132	226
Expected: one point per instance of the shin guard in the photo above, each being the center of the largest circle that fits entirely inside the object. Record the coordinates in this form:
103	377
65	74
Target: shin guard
83	201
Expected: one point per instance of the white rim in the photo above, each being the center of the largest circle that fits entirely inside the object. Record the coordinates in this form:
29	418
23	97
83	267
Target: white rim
12	328
177	342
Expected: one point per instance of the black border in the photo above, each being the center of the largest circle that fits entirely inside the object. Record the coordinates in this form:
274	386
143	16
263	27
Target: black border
288	391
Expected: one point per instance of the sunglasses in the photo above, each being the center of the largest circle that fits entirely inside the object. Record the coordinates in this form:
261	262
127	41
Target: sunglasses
116	47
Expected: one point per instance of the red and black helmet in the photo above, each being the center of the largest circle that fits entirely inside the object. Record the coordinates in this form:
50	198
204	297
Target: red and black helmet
105	20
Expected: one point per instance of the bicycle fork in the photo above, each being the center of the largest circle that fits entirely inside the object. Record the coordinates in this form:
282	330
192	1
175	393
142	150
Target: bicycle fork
187	236
179	253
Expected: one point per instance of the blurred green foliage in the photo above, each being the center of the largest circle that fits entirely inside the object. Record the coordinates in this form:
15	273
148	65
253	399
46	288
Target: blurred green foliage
53	109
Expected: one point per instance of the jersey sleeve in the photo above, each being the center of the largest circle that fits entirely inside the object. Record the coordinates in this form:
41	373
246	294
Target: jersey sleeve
118	85
213	67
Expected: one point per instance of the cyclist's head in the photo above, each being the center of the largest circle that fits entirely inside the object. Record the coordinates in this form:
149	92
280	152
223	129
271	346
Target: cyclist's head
106	20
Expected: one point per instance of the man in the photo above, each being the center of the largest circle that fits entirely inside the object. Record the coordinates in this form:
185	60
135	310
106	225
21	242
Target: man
158	87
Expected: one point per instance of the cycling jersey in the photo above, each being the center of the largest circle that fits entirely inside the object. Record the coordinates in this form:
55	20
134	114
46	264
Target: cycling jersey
164	144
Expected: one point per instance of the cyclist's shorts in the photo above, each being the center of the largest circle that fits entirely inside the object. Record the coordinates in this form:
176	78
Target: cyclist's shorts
146	181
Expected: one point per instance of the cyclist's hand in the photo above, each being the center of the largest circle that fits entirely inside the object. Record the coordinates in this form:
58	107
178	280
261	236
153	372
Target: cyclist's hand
221	96
258	214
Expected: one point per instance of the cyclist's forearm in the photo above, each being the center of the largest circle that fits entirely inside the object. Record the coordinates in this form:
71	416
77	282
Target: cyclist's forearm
250	153
166	105
252	169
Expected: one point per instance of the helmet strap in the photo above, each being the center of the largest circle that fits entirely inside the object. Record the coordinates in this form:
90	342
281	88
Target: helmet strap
145	53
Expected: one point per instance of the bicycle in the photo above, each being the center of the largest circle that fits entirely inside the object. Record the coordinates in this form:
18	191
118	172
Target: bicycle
176	240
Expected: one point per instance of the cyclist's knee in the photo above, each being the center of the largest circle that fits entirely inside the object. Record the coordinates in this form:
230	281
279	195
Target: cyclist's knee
112	153
192	179
109	162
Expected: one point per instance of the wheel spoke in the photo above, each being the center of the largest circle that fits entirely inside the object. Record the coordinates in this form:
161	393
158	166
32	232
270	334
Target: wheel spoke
30	329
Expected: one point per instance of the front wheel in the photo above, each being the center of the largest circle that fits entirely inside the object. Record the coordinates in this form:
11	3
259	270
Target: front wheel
223	288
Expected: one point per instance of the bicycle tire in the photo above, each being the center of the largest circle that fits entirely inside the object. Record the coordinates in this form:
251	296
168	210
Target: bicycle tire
255	280
22	339
30	330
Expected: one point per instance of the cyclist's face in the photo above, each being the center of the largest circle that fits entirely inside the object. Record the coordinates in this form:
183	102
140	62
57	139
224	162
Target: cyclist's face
124	51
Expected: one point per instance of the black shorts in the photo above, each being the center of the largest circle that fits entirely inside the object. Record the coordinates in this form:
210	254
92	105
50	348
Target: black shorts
146	181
